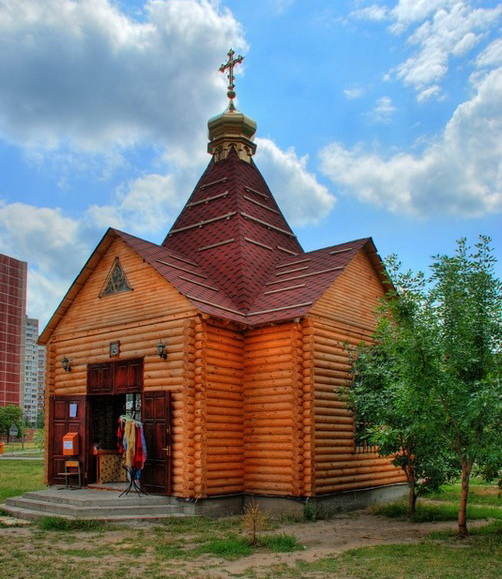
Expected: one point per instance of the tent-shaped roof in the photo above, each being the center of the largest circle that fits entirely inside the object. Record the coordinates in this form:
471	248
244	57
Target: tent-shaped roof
234	229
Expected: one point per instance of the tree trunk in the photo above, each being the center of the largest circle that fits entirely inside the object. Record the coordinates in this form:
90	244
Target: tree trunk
412	497
464	495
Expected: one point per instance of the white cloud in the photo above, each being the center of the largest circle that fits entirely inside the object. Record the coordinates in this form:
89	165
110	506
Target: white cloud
51	243
302	199
353	93
458	174
453	30
438	31
492	55
145	206
384	110
85	75
408	11
40	234
374	12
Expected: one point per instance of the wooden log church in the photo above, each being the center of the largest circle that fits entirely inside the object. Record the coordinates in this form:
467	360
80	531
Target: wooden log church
227	341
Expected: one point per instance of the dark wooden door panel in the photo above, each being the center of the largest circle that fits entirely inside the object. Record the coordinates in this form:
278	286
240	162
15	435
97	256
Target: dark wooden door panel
99	378
62	421
115	377
156	417
128	376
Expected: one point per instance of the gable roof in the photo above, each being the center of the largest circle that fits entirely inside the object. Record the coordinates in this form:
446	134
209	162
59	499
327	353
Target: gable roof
290	290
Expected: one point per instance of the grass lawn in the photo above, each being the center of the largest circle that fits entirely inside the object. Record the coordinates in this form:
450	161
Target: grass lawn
20	476
200	548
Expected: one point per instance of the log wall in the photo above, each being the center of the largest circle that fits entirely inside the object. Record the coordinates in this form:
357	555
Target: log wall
340	320
153	311
223	423
276	412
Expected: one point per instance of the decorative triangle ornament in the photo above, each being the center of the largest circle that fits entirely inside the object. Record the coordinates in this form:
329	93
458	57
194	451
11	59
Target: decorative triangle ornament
116	281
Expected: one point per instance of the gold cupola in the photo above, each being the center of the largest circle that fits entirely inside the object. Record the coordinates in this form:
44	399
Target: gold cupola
231	128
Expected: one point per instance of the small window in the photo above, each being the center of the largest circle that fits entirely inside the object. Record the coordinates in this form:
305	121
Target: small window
116	282
361	437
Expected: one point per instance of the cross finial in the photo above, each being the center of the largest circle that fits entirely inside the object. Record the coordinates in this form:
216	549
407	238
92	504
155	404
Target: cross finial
230	65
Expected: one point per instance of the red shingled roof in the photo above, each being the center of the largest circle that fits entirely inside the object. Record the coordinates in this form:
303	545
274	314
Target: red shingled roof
292	287
232	253
232	227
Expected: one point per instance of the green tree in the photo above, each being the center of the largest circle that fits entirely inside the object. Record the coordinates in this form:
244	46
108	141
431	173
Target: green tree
389	414
10	415
431	382
467	302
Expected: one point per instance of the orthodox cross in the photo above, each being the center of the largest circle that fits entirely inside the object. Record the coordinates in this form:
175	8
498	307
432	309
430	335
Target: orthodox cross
230	65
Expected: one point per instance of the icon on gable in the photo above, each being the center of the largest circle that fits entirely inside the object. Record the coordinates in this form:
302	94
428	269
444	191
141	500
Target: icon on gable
116	281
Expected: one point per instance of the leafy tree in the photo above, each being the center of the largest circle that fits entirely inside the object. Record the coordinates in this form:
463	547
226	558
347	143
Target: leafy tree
391	415
40	419
467	300
10	415
432	381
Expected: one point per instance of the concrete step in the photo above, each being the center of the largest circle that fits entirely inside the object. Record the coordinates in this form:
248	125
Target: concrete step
88	497
93	504
27	514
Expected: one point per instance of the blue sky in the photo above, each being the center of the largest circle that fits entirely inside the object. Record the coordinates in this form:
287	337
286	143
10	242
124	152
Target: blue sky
375	118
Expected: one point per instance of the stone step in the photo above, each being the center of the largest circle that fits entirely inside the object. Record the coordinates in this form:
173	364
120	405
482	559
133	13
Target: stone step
93	504
87	511
88	497
27	514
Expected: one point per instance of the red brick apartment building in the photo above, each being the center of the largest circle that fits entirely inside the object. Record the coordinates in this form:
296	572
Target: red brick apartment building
13	281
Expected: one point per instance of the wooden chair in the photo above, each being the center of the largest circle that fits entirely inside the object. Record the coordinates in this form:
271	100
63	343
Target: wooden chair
71	469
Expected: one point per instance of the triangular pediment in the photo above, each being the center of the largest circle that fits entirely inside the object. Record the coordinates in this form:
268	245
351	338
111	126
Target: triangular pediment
116	281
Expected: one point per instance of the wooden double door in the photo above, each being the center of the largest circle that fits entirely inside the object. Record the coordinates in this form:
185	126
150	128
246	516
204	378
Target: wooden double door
74	414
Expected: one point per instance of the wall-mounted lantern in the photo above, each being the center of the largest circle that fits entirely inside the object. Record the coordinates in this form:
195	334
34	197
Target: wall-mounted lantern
161	350
66	364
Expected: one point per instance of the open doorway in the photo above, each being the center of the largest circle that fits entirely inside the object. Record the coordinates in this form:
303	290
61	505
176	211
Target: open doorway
105	461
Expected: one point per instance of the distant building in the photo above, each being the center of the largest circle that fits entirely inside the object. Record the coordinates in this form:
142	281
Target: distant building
34	364
41	382
13	282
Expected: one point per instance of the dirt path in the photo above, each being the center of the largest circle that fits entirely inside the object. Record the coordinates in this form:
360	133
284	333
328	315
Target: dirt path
321	539
325	538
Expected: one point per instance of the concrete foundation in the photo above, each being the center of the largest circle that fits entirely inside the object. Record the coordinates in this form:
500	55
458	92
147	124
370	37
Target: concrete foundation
320	506
108	504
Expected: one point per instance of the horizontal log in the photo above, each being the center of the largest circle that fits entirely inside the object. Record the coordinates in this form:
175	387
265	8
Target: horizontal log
338	330
214	403
252	406
265	462
326	434
226	365
347	461
322	470
264	365
357	485
273	476
351	478
215	370
335	417
330	404
222	383
169	321
223	332
220	489
228	419
258	333
267	416
330	354
269	352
